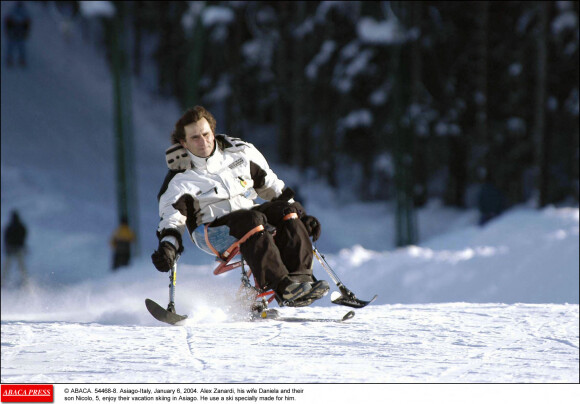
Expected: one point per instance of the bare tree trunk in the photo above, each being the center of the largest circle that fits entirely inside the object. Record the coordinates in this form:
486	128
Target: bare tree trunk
234	124
482	57
575	146
138	35
326	160
297	140
539	135
406	226
481	112
419	175
283	118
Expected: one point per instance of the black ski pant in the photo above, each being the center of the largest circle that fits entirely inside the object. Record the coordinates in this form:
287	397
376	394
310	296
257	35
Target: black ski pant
288	254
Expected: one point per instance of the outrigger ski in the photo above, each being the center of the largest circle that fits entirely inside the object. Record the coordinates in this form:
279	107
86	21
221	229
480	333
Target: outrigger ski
168	315
347	298
162	314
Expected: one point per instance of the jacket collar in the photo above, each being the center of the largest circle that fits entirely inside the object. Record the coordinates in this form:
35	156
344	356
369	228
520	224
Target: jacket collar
211	164
176	156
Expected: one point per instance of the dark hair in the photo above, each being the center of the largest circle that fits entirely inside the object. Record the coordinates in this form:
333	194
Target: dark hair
190	116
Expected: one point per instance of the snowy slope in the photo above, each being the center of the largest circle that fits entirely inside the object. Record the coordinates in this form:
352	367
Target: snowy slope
455	342
491	304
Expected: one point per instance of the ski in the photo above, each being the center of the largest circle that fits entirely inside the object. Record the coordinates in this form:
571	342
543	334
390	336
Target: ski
162	314
350	300
273	314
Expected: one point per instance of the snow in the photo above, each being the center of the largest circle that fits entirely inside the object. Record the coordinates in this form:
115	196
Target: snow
448	343
326	51
468	304
386	32
516	125
515	69
217	15
345	72
91	9
356	119
568	20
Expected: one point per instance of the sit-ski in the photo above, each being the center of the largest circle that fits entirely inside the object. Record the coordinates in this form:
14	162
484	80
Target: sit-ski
259	298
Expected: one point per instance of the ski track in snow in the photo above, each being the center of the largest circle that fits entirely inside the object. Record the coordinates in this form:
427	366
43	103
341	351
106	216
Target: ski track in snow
455	342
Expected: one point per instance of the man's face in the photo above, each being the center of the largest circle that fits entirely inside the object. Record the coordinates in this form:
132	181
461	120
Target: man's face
199	138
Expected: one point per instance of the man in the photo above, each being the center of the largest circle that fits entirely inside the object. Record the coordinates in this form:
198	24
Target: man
17	28
211	190
14	244
121	243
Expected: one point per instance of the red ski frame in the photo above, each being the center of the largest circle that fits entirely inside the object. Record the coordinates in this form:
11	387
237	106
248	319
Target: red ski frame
225	266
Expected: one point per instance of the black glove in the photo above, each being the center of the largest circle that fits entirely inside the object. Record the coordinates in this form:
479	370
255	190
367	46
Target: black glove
164	257
312	226
286	195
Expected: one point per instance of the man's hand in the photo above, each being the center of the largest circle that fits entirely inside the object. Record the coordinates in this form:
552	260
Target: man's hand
164	257
312	226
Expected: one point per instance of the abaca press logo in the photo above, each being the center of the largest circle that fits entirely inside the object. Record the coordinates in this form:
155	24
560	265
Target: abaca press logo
27	393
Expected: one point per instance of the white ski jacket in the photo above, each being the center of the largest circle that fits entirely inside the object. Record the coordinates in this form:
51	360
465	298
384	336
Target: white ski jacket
198	190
